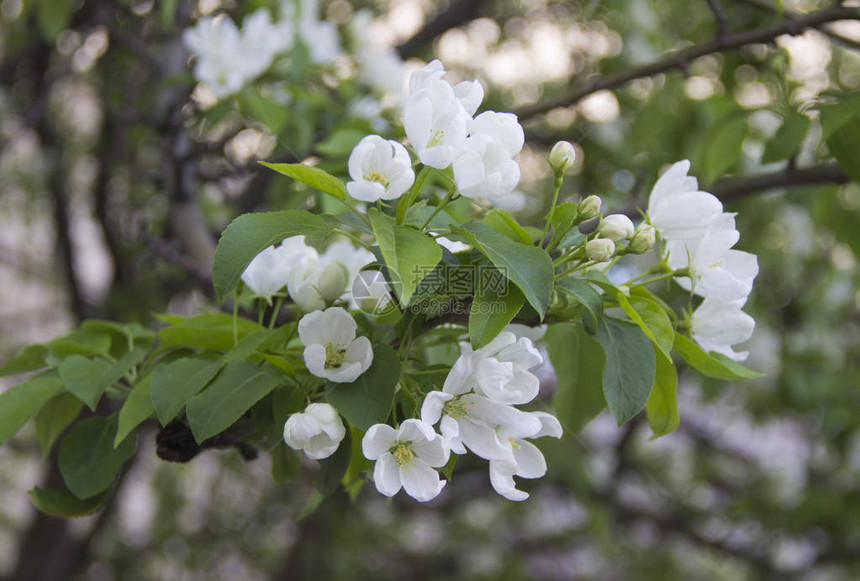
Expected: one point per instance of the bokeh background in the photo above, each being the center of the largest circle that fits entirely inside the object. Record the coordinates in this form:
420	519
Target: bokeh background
118	172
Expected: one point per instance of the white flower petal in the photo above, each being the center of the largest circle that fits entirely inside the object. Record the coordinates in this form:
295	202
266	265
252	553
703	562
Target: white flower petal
530	461
420	481
504	484
386	475
378	441
314	356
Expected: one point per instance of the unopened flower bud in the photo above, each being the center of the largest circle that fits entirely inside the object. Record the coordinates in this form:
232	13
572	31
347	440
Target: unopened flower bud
332	282
643	240
616	227
589	207
562	157
600	249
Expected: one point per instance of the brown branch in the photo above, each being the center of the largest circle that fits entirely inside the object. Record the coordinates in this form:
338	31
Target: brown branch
733	188
682	58
720	18
458	13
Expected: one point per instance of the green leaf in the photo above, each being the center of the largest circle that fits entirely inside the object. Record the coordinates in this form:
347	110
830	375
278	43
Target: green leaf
583	293
711	365
358	464
60	503
563	218
83	378
333	468
723	146
844	144
312	176
88	461
528	267
29	358
835	116
21	402
233	391
250	234
652	319
81	342
212	331
367	400
490	313
579	361
55	417
662	406
285	463
137	408
409	255
177	382
630	368
503	223
788	138
90	378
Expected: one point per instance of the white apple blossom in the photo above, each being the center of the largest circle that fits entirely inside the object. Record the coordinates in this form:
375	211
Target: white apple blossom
332	351
263	40
716	271
528	461
320	37
501	369
317	431
216	43
380	168
717	325
474	421
435	117
269	271
486	168
677	209
228	57
474	405
406	458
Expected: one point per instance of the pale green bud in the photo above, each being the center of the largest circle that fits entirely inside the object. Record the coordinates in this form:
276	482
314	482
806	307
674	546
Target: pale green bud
562	157
589	207
332	282
616	227
600	249
643	240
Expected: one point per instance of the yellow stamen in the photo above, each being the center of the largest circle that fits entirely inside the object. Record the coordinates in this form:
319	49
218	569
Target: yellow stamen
437	138
456	408
403	454
334	355
375	176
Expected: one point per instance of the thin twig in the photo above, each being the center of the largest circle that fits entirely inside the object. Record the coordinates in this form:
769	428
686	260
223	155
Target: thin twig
682	58
720	17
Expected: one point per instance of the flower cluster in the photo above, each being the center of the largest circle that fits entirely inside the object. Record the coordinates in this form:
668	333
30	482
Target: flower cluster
476	410
699	237
438	119
228	56
313	280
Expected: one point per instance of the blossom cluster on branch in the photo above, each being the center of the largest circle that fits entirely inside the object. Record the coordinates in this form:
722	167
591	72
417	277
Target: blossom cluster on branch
389	337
